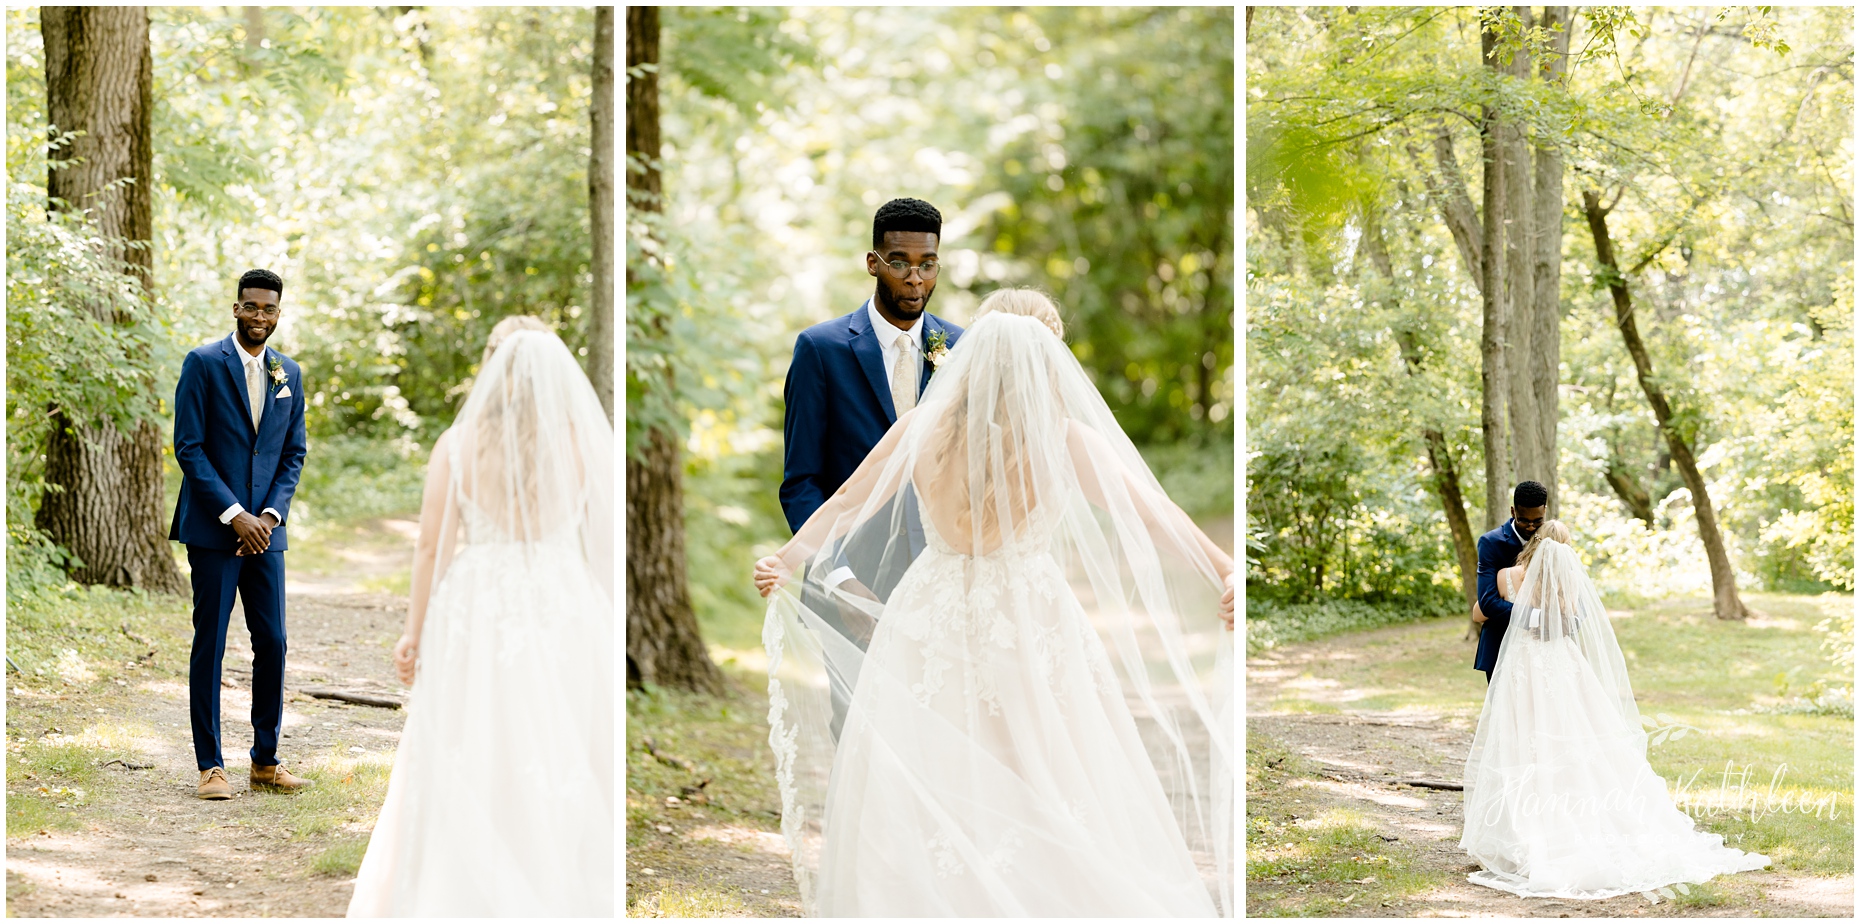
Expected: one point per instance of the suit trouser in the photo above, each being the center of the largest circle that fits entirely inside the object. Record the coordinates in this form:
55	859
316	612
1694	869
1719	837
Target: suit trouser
258	582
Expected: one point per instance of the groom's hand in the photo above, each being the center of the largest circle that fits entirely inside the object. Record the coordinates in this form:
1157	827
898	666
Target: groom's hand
254	534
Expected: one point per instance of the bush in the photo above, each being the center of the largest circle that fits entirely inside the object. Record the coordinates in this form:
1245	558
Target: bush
1271	622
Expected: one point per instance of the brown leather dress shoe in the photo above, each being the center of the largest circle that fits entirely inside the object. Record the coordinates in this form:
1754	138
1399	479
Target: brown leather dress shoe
214	784
277	779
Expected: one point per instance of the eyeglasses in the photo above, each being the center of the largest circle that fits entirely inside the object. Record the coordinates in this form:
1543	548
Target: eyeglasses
902	270
266	313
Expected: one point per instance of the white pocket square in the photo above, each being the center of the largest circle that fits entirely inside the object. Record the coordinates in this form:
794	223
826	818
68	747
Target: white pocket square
284	392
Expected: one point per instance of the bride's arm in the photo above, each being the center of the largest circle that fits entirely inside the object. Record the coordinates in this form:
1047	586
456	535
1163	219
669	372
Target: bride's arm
425	554
828	522
1088	448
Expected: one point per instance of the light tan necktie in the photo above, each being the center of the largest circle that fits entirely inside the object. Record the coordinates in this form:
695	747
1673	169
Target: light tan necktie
255	390
904	377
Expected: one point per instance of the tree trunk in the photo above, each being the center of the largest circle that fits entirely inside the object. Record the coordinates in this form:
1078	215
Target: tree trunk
105	495
1547	277
663	645
601	212
1492	380
1521	400
1725	602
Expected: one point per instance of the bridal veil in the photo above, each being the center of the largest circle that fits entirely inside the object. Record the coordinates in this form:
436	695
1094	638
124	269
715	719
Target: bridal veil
1013	472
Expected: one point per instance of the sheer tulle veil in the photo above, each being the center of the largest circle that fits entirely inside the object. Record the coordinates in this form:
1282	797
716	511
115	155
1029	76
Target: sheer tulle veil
1010	452
532	455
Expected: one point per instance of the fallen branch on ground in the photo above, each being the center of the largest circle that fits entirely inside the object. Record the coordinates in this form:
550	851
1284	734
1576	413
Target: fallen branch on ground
1437	784
126	764
351	696
669	760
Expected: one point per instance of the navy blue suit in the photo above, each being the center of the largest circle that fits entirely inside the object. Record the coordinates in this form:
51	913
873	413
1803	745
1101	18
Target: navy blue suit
224	461
1498	550
838	397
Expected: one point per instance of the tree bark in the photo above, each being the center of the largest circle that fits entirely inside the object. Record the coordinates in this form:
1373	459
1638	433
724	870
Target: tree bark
1492	379
1456	207
105	495
601	212
1545	358
663	645
1725	601
1521	400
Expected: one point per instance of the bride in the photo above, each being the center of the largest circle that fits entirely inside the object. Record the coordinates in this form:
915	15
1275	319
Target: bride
1039	718
501	798
1560	800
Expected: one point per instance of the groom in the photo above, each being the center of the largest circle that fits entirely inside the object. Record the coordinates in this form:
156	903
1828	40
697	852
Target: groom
1499	550
853	376
239	440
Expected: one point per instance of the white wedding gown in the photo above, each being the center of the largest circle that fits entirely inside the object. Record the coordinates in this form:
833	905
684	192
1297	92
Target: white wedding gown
501	800
1039	723
1560	801
1058	812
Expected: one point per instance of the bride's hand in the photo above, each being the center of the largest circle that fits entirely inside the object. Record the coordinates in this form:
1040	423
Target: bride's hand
771	573
406	653
1227	602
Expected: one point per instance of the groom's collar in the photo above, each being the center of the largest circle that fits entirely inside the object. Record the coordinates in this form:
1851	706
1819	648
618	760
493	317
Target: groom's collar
1513	526
239	353
888	333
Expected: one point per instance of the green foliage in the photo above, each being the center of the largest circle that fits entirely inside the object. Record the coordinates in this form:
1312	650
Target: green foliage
414	174
65	356
1118	200
1741	280
1085	151
1271	623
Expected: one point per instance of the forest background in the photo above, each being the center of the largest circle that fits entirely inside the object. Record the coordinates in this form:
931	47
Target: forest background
413	174
1086	151
1714	148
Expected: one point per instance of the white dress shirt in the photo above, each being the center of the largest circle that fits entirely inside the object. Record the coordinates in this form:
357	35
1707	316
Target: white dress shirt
891	340
264	382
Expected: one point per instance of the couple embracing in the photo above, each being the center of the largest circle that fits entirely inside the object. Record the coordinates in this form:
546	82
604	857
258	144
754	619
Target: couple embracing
1560	801
999	666
500	801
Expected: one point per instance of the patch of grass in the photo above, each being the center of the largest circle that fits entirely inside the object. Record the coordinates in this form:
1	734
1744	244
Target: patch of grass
348	791
74	635
1743	773
1305	857
723	740
343	859
49	782
680	901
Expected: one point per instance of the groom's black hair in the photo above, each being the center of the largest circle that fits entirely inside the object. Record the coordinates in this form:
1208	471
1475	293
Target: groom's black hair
260	279
905	215
1529	494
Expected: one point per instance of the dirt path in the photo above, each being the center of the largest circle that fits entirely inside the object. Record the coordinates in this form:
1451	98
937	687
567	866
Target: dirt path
1361	761
142	844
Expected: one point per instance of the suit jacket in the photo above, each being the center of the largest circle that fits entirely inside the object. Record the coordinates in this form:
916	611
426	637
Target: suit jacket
1498	550
223	460
838	401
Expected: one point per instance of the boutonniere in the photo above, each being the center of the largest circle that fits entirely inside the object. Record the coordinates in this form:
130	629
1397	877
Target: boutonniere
277	372
938	343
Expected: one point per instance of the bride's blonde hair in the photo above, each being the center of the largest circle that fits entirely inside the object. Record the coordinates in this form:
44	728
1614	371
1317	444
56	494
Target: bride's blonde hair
1552	529
505	328
1032	303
